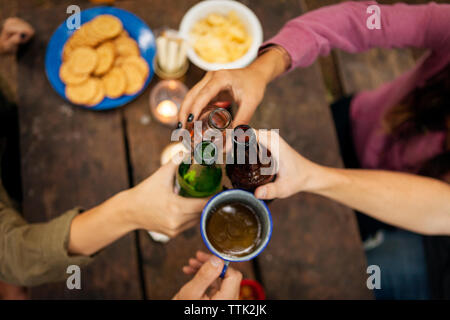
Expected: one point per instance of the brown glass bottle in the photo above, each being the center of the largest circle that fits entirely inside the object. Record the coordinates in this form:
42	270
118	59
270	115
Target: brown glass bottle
244	171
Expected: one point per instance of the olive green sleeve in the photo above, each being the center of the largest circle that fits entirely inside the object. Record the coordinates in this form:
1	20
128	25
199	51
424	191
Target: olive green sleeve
33	254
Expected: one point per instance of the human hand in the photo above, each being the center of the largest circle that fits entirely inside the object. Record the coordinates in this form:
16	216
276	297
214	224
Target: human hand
15	31
153	205
206	284
295	174
244	86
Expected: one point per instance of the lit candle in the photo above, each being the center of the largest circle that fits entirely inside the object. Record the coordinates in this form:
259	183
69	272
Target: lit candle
165	100
167	110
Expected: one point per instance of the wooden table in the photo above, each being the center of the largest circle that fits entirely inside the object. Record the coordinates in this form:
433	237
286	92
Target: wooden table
75	157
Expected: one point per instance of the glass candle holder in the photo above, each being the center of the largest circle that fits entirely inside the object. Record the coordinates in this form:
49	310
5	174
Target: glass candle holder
171	60
165	101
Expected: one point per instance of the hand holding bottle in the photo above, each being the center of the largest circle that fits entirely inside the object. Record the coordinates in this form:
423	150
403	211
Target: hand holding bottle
295	172
154	206
246	87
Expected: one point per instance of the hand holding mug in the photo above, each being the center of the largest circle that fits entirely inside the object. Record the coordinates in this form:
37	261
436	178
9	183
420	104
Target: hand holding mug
206	284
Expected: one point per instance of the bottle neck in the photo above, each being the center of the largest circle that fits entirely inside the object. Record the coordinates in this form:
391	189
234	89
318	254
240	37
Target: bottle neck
245	146
219	118
205	154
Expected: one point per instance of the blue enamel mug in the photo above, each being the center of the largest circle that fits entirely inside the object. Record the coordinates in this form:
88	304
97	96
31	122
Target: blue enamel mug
246	198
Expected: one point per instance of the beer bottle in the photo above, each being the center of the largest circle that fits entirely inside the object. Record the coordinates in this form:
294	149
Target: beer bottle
202	177
212	117
242	173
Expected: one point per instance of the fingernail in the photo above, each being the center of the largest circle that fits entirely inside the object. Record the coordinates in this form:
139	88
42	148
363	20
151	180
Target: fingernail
190	117
261	193
216	262
179	125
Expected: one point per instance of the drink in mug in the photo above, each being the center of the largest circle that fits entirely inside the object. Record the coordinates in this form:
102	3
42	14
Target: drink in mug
236	226
234	229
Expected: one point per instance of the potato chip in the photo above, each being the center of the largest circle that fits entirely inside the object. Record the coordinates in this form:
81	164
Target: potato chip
220	38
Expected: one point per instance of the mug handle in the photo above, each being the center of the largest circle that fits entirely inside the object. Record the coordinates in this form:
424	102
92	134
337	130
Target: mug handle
224	270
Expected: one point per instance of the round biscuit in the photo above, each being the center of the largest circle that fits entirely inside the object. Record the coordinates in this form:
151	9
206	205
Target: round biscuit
99	96
92	35
68	77
140	63
135	79
114	83
67	50
81	93
83	60
107	26
105	54
126	46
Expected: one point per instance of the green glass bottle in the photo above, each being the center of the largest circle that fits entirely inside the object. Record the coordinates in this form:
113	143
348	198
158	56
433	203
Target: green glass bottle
202	177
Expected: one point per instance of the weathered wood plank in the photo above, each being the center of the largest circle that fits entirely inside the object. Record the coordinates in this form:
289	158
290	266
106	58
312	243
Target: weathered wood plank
161	262
71	157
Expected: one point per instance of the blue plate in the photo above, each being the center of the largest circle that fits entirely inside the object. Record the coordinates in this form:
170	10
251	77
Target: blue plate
137	29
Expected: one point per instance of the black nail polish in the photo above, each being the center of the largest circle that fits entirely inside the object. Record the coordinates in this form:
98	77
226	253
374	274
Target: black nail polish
191	117
179	125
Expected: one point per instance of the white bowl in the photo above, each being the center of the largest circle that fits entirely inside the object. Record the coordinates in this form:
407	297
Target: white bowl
248	18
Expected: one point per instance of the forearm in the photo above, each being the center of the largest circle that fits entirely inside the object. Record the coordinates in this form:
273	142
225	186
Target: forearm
408	201
98	227
271	63
344	26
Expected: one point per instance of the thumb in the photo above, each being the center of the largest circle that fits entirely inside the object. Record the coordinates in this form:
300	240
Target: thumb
169	168
164	175
192	205
205	276
267	191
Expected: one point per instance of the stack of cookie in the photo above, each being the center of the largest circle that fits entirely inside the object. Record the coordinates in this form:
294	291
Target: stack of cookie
101	60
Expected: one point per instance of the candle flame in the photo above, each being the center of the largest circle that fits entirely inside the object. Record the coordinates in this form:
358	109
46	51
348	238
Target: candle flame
167	108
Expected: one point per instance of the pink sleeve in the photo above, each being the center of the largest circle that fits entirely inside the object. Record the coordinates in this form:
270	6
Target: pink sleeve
343	26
